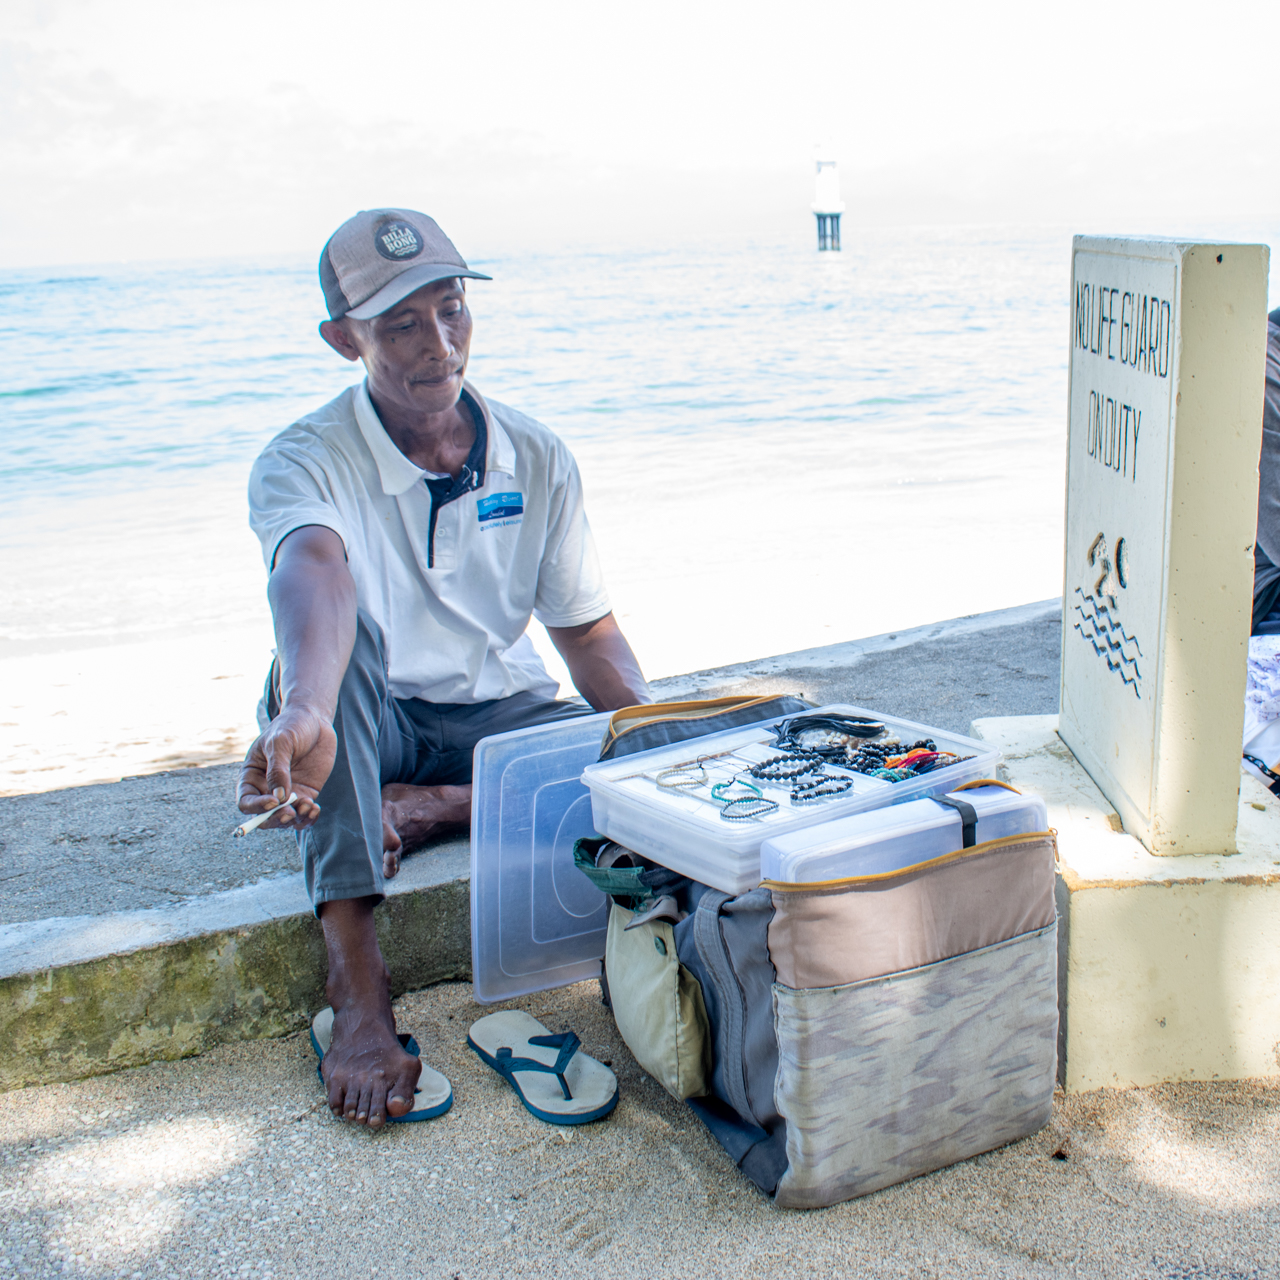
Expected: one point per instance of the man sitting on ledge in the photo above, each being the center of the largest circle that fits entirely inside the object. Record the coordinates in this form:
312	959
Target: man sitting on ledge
410	529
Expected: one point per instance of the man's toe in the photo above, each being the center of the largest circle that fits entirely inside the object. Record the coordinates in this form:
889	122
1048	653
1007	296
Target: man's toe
378	1104
400	1095
337	1097
364	1108
350	1101
391	842
399	1098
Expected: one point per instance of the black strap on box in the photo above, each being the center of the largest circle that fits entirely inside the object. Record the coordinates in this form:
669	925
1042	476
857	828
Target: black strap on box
1273	778
968	819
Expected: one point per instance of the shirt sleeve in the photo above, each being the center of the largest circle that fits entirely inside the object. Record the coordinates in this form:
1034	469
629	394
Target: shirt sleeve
288	490
571	587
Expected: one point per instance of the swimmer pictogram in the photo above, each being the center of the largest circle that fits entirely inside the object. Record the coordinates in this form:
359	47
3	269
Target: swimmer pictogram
1104	631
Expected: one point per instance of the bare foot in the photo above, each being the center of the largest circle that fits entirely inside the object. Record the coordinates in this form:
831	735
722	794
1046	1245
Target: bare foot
369	1075
412	815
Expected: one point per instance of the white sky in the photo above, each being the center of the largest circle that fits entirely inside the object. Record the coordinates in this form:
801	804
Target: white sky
141	129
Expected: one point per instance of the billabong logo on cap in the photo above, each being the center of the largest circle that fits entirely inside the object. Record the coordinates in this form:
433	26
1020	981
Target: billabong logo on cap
397	241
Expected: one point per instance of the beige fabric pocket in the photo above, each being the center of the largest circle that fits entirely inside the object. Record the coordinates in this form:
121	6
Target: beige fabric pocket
657	1004
840	931
889	1078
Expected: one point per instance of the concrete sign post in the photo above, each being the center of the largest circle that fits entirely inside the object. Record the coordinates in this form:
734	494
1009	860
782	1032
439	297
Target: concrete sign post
1166	379
1169	965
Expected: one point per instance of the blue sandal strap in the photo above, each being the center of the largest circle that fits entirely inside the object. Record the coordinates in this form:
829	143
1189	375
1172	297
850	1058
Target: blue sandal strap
566	1041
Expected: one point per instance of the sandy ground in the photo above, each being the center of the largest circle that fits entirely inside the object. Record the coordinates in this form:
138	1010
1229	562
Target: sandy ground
101	714
228	1165
71	718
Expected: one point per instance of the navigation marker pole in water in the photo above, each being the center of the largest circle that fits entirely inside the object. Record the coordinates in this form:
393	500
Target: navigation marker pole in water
827	205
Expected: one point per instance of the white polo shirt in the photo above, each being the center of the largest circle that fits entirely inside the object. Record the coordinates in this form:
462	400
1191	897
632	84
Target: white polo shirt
454	614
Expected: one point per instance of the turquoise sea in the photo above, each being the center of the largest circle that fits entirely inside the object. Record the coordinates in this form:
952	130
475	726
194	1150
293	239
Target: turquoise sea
780	447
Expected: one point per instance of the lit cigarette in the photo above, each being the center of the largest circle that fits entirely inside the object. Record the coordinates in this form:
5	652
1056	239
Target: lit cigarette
254	823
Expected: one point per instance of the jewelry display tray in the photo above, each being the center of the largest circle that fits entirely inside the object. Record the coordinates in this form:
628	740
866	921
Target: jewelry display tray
683	830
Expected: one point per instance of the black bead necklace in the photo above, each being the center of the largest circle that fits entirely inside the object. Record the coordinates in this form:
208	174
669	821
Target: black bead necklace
784	768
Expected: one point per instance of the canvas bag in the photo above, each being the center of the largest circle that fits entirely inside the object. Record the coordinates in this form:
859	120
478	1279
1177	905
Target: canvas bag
869	1030
655	725
661	1015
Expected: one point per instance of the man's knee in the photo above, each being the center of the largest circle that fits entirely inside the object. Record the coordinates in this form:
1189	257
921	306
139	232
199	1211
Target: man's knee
370	648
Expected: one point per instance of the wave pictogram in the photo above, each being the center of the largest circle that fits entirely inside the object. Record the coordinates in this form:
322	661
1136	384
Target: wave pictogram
1110	640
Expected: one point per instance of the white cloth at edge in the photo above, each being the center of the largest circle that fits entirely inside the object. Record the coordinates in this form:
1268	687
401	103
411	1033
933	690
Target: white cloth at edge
1262	705
519	546
1262	685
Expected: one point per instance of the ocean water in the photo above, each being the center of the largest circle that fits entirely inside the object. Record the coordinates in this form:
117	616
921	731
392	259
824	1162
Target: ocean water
781	448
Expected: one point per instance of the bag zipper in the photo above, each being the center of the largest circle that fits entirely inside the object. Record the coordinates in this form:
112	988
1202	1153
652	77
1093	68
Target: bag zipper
879	877
616	734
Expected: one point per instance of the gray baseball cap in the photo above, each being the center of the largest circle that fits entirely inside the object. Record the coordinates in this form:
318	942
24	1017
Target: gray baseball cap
380	256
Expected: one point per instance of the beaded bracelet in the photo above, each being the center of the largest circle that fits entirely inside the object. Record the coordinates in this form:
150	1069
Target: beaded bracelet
821	789
718	792
680	777
759	807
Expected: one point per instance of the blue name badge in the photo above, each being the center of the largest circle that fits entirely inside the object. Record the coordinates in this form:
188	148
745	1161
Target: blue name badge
500	506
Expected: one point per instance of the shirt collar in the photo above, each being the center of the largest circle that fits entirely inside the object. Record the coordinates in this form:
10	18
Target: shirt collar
501	453
397	474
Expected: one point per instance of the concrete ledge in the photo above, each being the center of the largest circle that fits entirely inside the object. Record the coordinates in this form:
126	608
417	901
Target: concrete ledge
1169	966
83	995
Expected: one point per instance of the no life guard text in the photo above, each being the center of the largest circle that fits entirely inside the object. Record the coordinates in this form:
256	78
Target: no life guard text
1136	330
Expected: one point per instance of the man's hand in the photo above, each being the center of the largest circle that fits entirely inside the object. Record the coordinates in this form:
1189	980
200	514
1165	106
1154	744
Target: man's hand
295	754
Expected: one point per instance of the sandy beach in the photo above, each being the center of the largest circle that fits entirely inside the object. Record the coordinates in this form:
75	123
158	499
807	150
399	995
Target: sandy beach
96	715
827	309
229	1165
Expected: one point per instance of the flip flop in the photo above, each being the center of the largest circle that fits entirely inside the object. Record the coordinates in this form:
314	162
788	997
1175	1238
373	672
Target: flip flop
434	1094
555	1082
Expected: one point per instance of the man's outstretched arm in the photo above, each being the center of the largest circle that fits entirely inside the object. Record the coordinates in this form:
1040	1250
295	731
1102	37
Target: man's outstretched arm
604	669
313	602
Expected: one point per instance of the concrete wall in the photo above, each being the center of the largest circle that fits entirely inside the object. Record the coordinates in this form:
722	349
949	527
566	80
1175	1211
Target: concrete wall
1175	981
181	998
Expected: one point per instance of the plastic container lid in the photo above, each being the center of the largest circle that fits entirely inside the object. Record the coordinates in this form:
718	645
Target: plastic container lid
683	829
536	920
902	835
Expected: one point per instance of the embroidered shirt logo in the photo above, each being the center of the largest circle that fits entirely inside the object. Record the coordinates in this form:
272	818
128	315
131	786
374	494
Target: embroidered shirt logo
500	506
397	240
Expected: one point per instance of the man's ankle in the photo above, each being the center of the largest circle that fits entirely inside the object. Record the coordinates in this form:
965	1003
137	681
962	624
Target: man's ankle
357	970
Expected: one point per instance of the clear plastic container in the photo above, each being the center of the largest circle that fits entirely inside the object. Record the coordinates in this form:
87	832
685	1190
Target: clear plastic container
536	921
684	830
866	844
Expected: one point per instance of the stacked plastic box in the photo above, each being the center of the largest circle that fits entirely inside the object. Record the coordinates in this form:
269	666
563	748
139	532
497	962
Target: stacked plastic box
904	835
